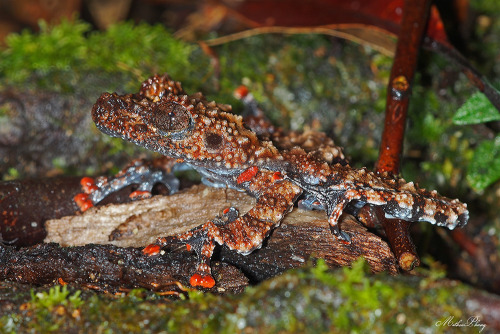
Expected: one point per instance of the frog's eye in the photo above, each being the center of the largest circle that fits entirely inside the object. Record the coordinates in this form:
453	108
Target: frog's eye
170	118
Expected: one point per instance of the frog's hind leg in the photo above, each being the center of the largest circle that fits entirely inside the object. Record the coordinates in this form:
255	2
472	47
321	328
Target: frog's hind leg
197	240
241	233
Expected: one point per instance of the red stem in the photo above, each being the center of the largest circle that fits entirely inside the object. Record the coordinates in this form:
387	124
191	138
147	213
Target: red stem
413	25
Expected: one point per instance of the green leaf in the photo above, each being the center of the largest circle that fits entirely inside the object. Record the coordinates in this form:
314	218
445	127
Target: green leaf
484	168
477	109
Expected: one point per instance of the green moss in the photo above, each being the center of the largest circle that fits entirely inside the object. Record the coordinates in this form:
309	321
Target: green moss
308	300
47	311
488	6
55	296
61	57
56	48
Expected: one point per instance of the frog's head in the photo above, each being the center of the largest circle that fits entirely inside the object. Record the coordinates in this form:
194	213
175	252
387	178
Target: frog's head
181	126
157	126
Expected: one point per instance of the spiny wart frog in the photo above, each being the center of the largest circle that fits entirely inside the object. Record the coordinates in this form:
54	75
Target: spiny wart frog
226	151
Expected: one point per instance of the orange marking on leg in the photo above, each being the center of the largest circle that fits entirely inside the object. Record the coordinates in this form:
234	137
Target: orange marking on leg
247	175
205	281
226	210
277	176
188	247
151	250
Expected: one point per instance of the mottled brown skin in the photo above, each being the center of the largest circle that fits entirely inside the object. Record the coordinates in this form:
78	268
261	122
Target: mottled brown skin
162	118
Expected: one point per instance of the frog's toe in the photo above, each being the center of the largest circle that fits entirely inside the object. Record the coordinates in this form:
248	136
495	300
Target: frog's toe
138	194
229	215
345	238
151	250
83	202
202	279
155	249
340	235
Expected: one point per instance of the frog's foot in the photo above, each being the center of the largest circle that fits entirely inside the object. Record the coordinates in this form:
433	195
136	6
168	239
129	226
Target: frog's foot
242	234
204	246
229	214
335	209
143	173
202	240
340	235
197	240
334	226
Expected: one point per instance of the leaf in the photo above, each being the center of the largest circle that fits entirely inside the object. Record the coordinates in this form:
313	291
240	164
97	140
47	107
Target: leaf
484	168
477	109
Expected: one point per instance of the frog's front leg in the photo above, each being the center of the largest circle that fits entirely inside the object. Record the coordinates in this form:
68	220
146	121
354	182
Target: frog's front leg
243	234
143	173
